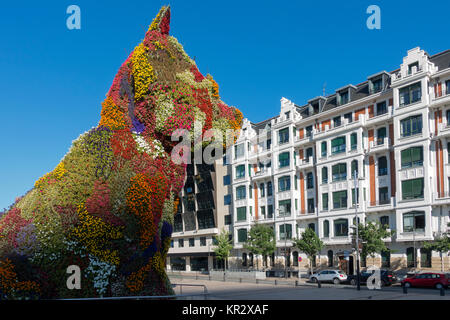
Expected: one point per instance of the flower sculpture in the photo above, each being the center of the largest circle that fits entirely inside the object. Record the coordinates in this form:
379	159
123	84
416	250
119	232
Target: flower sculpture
108	206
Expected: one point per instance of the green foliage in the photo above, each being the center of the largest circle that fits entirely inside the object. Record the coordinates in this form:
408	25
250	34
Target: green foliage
260	240
309	243
371	237
224	246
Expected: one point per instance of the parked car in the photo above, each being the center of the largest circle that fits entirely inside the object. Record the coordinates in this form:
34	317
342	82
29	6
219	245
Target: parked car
427	280
335	276
387	277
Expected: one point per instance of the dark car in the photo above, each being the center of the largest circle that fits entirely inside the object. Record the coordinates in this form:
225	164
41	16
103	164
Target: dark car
427	280
387	278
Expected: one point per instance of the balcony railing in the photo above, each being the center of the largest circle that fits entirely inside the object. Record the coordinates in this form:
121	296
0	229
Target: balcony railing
442	195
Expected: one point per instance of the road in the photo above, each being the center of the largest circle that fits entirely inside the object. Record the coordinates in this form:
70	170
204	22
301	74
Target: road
220	290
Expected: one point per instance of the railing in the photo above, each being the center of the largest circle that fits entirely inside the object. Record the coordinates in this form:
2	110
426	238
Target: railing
442	194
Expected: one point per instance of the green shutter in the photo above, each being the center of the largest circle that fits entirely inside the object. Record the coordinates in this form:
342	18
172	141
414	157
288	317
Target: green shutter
406	189
241	213
417	188
324	147
406	158
325	201
416	154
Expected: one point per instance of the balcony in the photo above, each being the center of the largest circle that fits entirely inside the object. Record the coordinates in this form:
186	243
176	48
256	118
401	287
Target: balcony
307	138
379	145
442	197
381	116
305	163
443	130
381	204
261	174
332	129
399	76
305	213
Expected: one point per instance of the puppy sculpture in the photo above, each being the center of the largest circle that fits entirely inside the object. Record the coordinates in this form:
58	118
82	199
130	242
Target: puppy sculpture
105	213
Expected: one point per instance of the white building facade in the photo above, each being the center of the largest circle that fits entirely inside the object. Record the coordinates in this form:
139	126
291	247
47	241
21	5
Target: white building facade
295	170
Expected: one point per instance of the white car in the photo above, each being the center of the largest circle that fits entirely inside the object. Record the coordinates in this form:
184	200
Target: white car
335	276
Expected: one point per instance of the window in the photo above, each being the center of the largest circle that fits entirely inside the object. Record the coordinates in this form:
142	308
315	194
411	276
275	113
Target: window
263	211
384	221
312	226
447	86
262	192
386	259
381	135
349	117
414	221
324	175
411	126
240	171
171	243
412	157
270	211
376	86
309	153
308	130
425	258
241	213
412	189
382	166
338	145
283	159
311	205
250	191
411	257
239	151
355	197
324	149
268	144
412	65
383	195
339	172
269	188
330	257
353	141
250	259
227	219
244	259
309	180
326	228
324	201
337	121
295	182
381	108
242	235
226	180
295	259
343	98
284	184
240	193
180	243
341	227
354	166
205	219
283	136
410	94
288	233
227	199
285	207
191	242
340	199
202	241
178	223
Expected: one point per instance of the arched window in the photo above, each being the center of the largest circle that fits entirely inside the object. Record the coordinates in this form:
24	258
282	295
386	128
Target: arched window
244	259
295	258
354	168
309	180
324	175
425	258
386	259
326	229
330	258
262	193
382	166
410	257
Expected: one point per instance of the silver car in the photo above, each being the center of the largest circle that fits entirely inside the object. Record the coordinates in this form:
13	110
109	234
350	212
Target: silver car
335	276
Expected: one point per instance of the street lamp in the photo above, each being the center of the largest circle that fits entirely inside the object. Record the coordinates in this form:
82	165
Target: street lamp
358	280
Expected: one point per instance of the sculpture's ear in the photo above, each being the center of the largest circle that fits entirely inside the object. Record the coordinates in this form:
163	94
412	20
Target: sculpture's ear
162	21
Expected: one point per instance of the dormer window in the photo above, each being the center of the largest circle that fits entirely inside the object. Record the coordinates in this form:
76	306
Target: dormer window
343	97
377	85
337	121
412	65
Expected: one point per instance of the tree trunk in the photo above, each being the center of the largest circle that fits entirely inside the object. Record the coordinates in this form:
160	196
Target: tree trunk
310	266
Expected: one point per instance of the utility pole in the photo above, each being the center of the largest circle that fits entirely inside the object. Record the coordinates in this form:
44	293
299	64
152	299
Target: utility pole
358	280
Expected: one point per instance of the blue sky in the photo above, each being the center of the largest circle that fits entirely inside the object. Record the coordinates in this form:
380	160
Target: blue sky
54	79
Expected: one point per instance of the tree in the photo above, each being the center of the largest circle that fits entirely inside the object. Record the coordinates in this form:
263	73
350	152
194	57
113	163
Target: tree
223	248
260	240
441	245
371	237
310	244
